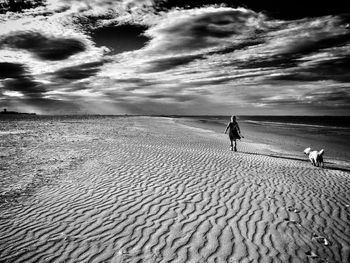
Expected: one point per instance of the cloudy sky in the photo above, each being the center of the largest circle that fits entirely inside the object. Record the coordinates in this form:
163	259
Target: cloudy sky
175	57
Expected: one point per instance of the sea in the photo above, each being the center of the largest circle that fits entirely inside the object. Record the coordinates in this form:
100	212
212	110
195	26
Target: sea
342	122
302	121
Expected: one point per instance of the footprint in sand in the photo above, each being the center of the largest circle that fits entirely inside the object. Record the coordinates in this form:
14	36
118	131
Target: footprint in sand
320	239
288	220
311	254
293	209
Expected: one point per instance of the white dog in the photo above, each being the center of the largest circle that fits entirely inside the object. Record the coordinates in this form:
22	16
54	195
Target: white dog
315	157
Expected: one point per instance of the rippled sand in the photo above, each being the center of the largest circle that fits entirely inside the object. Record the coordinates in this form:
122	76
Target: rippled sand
146	189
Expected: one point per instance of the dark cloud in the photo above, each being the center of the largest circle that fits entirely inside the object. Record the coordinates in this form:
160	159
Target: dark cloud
164	64
210	28
327	97
168	63
290	57
337	69
214	81
175	97
120	38
274	8
138	81
11	70
336	96
16	78
81	71
295	9
298	76
19	5
278	61
218	25
234	47
315	44
216	28
26	85
43	47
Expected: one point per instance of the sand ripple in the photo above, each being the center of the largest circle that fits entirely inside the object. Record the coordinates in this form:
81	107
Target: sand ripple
151	190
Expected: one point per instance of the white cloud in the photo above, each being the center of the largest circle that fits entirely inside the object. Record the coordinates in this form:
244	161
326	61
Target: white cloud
222	56
13	93
183	31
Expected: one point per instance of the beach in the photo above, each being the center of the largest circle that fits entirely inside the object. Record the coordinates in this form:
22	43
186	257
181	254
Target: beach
161	189
288	136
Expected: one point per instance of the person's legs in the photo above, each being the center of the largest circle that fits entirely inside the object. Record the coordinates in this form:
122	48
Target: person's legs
231	144
235	146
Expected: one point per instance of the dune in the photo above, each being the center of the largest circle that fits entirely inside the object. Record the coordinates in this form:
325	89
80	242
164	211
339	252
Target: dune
142	189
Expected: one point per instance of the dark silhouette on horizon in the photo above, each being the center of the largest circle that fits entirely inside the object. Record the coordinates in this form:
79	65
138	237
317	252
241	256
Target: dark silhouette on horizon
5	111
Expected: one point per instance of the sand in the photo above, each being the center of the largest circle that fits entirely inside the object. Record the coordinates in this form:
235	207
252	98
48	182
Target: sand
286	140
143	189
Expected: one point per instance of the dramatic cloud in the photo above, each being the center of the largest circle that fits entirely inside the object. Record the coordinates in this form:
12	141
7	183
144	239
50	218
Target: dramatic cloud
81	71
120	38
190	30
287	10
42	46
18	5
11	70
174	57
336	97
163	64
337	69
17	80
25	85
333	97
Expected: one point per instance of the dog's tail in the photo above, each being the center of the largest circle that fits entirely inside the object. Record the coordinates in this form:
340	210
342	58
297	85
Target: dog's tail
321	152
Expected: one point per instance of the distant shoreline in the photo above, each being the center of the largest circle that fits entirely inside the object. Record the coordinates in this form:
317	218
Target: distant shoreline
16	113
183	116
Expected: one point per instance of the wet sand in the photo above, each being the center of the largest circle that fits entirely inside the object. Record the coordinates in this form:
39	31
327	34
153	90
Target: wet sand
141	189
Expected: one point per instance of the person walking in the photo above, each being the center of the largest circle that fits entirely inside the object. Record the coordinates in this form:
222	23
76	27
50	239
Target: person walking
234	132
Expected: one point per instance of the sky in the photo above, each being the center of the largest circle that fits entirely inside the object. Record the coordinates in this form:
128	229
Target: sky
171	57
